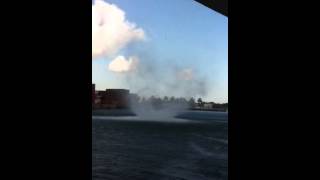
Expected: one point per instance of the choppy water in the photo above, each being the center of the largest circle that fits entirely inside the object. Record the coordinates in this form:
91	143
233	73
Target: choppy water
191	147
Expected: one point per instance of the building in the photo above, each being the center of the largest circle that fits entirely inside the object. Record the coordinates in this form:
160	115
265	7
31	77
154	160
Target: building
112	98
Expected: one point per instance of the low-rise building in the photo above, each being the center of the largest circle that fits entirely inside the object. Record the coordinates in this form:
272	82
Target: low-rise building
112	98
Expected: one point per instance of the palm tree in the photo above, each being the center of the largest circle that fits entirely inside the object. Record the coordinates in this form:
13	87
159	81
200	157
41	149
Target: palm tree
172	99
191	102
200	102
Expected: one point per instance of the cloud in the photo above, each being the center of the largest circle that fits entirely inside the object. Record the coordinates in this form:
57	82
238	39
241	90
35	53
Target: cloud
121	64
110	29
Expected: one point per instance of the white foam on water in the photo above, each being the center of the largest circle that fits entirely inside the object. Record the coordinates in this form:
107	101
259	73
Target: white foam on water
219	140
205	152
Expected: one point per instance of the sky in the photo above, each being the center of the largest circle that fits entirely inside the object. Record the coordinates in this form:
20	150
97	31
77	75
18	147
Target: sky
179	33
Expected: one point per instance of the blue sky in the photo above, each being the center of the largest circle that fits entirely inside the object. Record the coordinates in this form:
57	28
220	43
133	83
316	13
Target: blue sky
180	31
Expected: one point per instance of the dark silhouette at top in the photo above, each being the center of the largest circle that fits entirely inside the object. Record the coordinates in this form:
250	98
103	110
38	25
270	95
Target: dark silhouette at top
220	6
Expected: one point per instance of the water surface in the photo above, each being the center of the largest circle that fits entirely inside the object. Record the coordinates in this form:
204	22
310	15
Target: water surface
192	146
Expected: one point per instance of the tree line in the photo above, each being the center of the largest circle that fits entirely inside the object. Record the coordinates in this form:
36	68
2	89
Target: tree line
190	103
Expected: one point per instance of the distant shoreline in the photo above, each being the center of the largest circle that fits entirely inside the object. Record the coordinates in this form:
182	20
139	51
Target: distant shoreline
211	109
129	112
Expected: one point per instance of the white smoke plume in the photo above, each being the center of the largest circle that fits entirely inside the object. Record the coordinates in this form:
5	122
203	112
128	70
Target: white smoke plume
110	29
151	82
121	64
151	78
185	74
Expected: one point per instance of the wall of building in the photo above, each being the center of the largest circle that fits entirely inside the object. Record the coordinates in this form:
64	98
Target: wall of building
111	98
